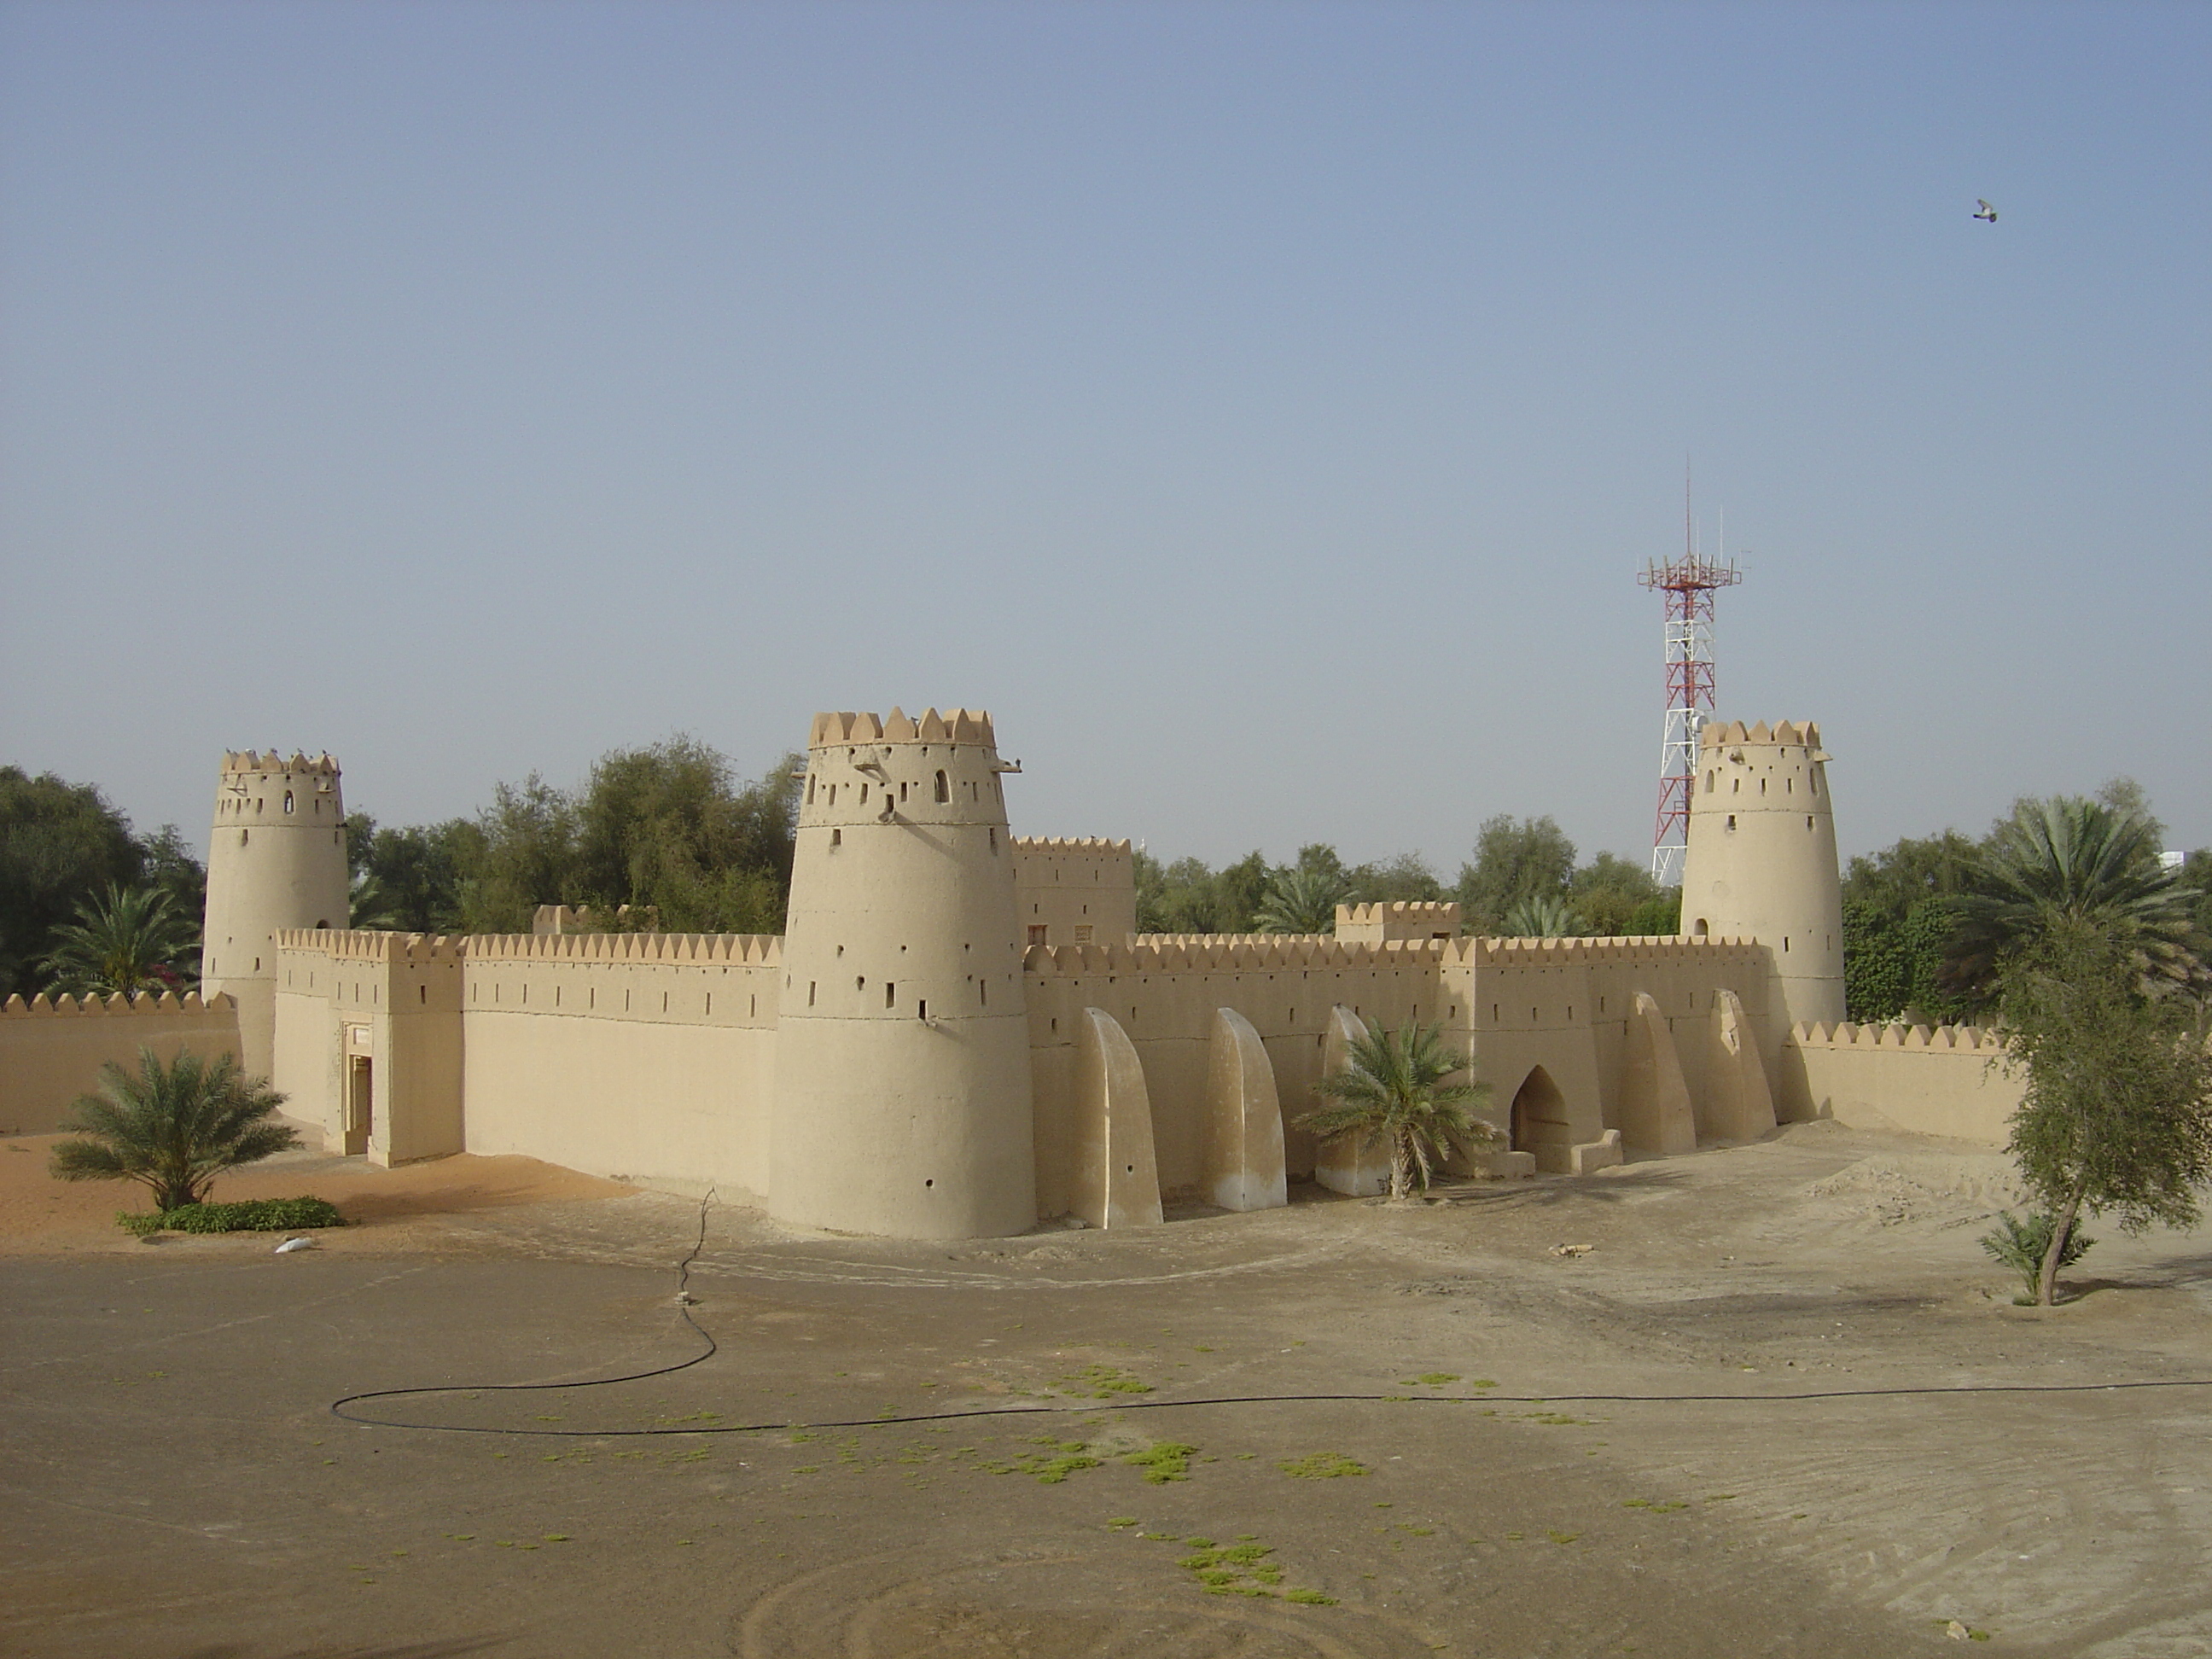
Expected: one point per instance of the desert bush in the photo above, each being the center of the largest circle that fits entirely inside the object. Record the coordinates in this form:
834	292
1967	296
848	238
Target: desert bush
253	1215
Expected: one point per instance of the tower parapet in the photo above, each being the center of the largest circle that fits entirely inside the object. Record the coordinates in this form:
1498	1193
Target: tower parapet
902	1094
277	860
1762	863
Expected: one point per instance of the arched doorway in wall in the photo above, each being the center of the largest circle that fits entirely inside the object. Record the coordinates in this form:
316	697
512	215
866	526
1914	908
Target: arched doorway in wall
1540	1120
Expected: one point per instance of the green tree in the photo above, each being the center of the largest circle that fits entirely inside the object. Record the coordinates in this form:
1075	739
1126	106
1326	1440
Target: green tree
167	863
2067	861
129	939
417	871
1187	897
170	1126
1610	893
525	855
1513	860
2117	1113
1394	1084
60	844
1893	966
1659	916
1892	882
1404	879
670	828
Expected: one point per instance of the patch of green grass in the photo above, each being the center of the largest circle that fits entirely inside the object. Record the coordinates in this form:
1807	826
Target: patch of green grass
1320	1466
1103	1382
1122	1521
1162	1462
1430	1379
1311	1598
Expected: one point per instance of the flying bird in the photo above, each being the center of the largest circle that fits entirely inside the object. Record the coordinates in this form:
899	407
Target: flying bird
1987	212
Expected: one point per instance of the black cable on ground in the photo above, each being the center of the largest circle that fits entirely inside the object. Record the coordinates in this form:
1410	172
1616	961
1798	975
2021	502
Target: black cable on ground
684	1300
683	1308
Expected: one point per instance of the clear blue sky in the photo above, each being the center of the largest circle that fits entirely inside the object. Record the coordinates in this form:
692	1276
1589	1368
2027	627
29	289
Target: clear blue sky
1263	410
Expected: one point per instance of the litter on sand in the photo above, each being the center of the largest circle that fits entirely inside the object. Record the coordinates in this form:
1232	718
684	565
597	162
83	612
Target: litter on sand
1573	1249
292	1244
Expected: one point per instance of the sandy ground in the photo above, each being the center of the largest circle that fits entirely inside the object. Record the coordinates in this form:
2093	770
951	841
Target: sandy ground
864	1467
39	1215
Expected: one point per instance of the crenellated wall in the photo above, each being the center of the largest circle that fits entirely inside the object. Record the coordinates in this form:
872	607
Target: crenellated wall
643	1054
51	1049
934	1049
1948	1080
1079	891
648	1055
1373	924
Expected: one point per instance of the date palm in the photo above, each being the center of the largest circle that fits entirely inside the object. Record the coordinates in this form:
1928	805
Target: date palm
1394	1084
125	940
1543	916
1301	901
2064	862
171	1126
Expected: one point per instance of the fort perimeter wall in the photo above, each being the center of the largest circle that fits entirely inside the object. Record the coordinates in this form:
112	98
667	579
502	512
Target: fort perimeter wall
51	1049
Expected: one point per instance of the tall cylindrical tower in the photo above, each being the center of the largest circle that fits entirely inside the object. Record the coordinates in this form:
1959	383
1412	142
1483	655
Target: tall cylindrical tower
276	859
902	1093
1762	863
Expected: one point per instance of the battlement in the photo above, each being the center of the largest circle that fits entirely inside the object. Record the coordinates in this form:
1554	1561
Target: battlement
1397	919
1158	953
757	949
1549	953
168	1002
358	944
1941	1038
1071	846
1718	734
1380	910
956	725
583	919
250	760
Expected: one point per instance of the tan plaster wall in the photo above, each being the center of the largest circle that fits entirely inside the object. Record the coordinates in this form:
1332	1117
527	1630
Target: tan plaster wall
1079	891
1165	998
650	1056
1761	864
903	1100
1938	1082
1378	923
269	870
52	1051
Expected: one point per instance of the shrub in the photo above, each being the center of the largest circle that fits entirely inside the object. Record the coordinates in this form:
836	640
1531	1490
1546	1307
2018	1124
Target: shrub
2021	1244
256	1215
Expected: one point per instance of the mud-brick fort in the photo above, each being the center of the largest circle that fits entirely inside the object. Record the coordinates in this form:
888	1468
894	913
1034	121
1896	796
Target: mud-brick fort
960	1033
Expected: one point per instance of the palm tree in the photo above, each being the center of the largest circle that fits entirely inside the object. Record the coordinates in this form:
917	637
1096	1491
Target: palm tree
170	1126
368	908
1543	916
126	940
2063	861
1393	1085
1301	901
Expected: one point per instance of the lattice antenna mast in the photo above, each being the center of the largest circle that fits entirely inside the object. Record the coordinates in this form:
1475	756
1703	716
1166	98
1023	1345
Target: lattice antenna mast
1689	584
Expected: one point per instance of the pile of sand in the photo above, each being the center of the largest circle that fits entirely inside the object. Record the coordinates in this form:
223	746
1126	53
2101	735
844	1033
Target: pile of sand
1948	1188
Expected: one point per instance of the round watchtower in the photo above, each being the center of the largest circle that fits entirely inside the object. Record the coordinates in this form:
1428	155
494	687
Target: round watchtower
902	1094
276	859
1762	863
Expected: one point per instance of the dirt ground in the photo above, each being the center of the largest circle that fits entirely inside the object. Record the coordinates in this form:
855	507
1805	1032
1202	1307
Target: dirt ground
1406	1431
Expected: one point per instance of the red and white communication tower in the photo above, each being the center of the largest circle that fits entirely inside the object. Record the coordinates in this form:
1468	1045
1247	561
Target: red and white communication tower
1689	584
